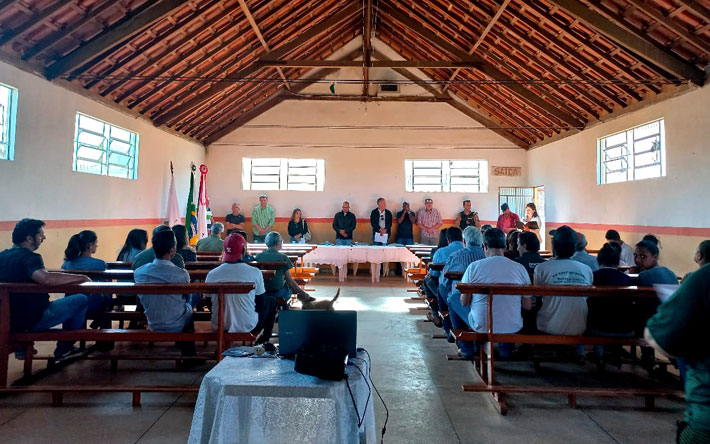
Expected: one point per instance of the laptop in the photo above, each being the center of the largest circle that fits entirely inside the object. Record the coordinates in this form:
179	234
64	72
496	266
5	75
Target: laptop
317	327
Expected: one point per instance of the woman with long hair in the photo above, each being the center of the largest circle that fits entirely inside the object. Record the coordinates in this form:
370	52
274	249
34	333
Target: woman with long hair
532	216
136	241
77	255
297	227
183	248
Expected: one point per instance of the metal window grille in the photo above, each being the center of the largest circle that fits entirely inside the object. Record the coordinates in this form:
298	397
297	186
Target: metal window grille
634	154
443	176
516	198
104	149
8	113
283	174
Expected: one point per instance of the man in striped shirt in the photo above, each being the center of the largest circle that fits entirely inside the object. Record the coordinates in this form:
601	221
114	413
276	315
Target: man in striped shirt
429	221
263	218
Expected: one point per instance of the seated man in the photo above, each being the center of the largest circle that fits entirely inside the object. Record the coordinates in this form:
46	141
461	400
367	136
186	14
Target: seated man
166	312
147	256
213	242
33	311
581	255
529	247
454	240
627	253
279	287
562	315
242	312
458	261
680	329
472	310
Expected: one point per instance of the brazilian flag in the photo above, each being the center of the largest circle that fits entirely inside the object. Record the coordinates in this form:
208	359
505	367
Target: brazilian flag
191	216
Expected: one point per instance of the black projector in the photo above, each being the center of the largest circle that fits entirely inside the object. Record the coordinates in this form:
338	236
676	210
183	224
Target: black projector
322	361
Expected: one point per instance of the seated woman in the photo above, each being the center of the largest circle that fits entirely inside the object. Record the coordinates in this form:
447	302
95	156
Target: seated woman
77	256
650	273
511	245
610	316
183	247
298	228
136	241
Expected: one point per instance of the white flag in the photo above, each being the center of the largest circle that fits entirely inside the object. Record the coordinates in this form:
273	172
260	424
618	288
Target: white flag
172	214
202	207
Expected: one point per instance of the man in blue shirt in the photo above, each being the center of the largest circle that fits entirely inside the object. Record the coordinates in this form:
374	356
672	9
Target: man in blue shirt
454	237
166	312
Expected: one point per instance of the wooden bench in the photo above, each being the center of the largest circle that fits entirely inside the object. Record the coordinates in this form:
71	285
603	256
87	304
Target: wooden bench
485	369
11	341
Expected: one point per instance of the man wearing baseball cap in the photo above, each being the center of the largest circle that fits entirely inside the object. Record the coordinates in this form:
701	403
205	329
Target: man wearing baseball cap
250	312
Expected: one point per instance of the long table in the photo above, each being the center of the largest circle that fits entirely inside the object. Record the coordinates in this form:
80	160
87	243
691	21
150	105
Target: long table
341	256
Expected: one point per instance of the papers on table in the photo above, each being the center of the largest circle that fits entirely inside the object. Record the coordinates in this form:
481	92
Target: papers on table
381	238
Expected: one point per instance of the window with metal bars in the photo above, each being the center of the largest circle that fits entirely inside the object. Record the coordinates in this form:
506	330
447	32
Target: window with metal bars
446	176
283	174
104	149
634	154
8	119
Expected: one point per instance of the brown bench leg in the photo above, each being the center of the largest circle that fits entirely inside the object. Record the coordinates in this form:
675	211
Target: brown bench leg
650	402
29	348
57	399
136	399
4	335
572	400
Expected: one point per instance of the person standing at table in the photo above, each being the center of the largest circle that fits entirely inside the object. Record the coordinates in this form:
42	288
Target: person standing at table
381	221
532	219
507	219
344	223
234	221
467	217
429	221
298	228
405	220
263	218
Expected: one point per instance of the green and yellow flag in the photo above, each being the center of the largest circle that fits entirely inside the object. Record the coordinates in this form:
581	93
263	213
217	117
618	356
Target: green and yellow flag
191	216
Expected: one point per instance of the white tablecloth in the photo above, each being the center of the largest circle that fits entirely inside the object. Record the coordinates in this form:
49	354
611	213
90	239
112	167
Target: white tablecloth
341	256
261	400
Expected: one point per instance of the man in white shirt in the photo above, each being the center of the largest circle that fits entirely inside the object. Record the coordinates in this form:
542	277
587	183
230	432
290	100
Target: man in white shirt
473	309
627	253
563	315
247	311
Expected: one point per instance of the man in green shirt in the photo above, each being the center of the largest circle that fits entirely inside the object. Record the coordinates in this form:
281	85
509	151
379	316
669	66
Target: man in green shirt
147	256
680	328
263	218
281	286
213	242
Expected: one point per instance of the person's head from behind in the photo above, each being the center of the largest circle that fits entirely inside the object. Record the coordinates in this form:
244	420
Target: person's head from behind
528	243
581	243
485	228
652	238
137	239
472	237
273	240
180	236
530	211
563	242
646	255
235	208
443	241
164	244
217	228
505	209
511	241
381	203
83	243
263	200
234	247
467	206
609	255
494	242
612	236
28	233
702	255
454	234
296	215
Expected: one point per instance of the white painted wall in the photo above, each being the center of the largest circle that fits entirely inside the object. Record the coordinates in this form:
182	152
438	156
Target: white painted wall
361	164
567	168
40	182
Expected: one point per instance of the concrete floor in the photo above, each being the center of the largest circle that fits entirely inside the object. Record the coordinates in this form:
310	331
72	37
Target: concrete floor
421	388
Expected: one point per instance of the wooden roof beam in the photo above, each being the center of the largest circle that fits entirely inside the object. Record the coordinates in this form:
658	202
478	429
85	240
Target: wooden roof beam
6	4
352	98
367	47
11	35
637	45
696	7
261	38
373	64
480	39
486	68
135	22
279	52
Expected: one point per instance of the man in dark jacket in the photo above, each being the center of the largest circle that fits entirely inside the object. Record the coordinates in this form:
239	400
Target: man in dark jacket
381	221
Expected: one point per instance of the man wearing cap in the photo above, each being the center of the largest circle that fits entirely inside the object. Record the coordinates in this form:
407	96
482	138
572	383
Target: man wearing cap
506	221
246	312
263	218
405	220
429	221
234	221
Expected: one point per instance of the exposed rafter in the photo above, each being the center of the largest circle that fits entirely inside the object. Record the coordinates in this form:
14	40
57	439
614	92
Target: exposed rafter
486	68
372	64
481	38
10	36
261	38
367	47
350	98
6	4
631	41
135	22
